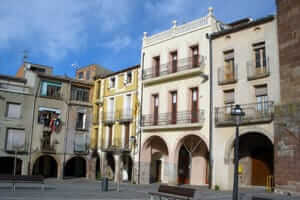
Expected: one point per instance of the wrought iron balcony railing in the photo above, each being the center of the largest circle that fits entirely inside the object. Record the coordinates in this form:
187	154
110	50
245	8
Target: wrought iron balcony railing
121	116
125	115
258	70
227	76
47	148
109	117
116	148
174	66
183	117
261	112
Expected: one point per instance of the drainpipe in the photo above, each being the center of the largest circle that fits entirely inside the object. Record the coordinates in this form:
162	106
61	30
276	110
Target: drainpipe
211	160
32	124
140	121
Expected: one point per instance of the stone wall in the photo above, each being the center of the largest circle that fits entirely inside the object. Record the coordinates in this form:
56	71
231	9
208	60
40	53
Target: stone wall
287	146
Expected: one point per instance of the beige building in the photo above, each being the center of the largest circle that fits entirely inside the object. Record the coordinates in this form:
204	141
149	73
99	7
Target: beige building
175	104
246	72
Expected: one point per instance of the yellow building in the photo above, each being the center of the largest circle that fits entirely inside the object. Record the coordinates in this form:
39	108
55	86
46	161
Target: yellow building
116	120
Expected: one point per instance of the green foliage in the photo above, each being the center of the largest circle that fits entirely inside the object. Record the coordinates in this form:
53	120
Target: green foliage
217	188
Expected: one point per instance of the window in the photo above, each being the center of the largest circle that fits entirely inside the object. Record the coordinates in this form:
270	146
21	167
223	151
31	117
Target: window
80	75
229	65
195	55
156	65
260	55
81	121
80	143
13	110
50	89
109	135
15	139
127	106
174	61
112	82
80	94
128	77
261	94
46	115
88	75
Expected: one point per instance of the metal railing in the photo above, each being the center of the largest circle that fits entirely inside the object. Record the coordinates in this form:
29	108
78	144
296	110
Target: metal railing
120	115
125	115
173	67
182	117
254	113
227	77
109	117
256	72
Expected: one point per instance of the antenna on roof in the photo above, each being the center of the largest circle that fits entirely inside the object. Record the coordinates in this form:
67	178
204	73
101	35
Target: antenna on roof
25	55
75	66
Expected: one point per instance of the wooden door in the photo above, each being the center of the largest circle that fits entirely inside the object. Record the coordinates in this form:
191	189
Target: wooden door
155	109
260	171
195	57
110	136
126	135
174	107
174	61
157	66
194	109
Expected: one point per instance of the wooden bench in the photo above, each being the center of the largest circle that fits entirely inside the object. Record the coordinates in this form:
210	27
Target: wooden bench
22	179
173	192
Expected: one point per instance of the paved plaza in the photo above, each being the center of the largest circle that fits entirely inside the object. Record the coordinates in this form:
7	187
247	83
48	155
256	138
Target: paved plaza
81	189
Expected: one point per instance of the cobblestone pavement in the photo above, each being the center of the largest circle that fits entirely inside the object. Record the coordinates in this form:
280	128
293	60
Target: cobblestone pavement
81	189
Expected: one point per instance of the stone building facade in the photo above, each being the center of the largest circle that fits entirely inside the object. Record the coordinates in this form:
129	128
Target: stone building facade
16	107
116	104
175	97
287	131
246	72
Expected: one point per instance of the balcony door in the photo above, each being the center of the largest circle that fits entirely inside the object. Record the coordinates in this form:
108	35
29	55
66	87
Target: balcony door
195	56
194	108
260	57
173	107
174	61
155	109
156	63
110	113
110	132
229	65
127	129
127	107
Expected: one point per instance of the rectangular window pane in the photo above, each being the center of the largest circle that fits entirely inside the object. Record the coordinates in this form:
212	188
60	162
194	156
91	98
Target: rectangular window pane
80	94
13	110
15	140
80	143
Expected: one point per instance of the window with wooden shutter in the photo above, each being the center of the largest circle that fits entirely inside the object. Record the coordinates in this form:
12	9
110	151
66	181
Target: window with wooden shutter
260	55
229	97
13	110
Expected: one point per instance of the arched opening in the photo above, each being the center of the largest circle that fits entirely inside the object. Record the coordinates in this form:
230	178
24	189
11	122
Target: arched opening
127	168
110	166
97	167
45	166
75	167
256	157
192	161
155	159
7	165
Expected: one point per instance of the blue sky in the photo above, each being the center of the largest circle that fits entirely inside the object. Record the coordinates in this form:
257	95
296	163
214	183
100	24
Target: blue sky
59	33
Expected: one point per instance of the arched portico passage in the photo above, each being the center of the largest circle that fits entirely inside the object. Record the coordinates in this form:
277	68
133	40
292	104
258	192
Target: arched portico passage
7	165
75	167
155	160
110	166
46	166
256	157
192	168
127	168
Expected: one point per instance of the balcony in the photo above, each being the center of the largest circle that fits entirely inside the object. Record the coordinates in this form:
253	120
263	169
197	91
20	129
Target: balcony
46	147
175	69
116	147
227	76
255	113
109	117
255	71
183	119
125	116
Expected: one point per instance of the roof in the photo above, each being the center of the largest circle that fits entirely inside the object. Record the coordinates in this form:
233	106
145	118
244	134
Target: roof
242	24
13	78
65	79
39	65
118	72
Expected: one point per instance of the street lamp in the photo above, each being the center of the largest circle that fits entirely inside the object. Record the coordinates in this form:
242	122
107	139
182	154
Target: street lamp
237	112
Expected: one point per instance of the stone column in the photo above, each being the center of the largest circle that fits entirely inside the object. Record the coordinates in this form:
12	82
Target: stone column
117	167
103	163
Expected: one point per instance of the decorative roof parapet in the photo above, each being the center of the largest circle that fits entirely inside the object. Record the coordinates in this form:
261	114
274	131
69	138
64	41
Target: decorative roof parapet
176	30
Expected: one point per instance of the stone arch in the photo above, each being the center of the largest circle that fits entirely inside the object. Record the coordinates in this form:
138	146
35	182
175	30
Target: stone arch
191	160
7	164
75	167
229	144
154	160
45	165
256	158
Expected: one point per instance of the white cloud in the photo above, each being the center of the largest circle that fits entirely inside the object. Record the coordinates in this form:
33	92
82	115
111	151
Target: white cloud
57	27
118	43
